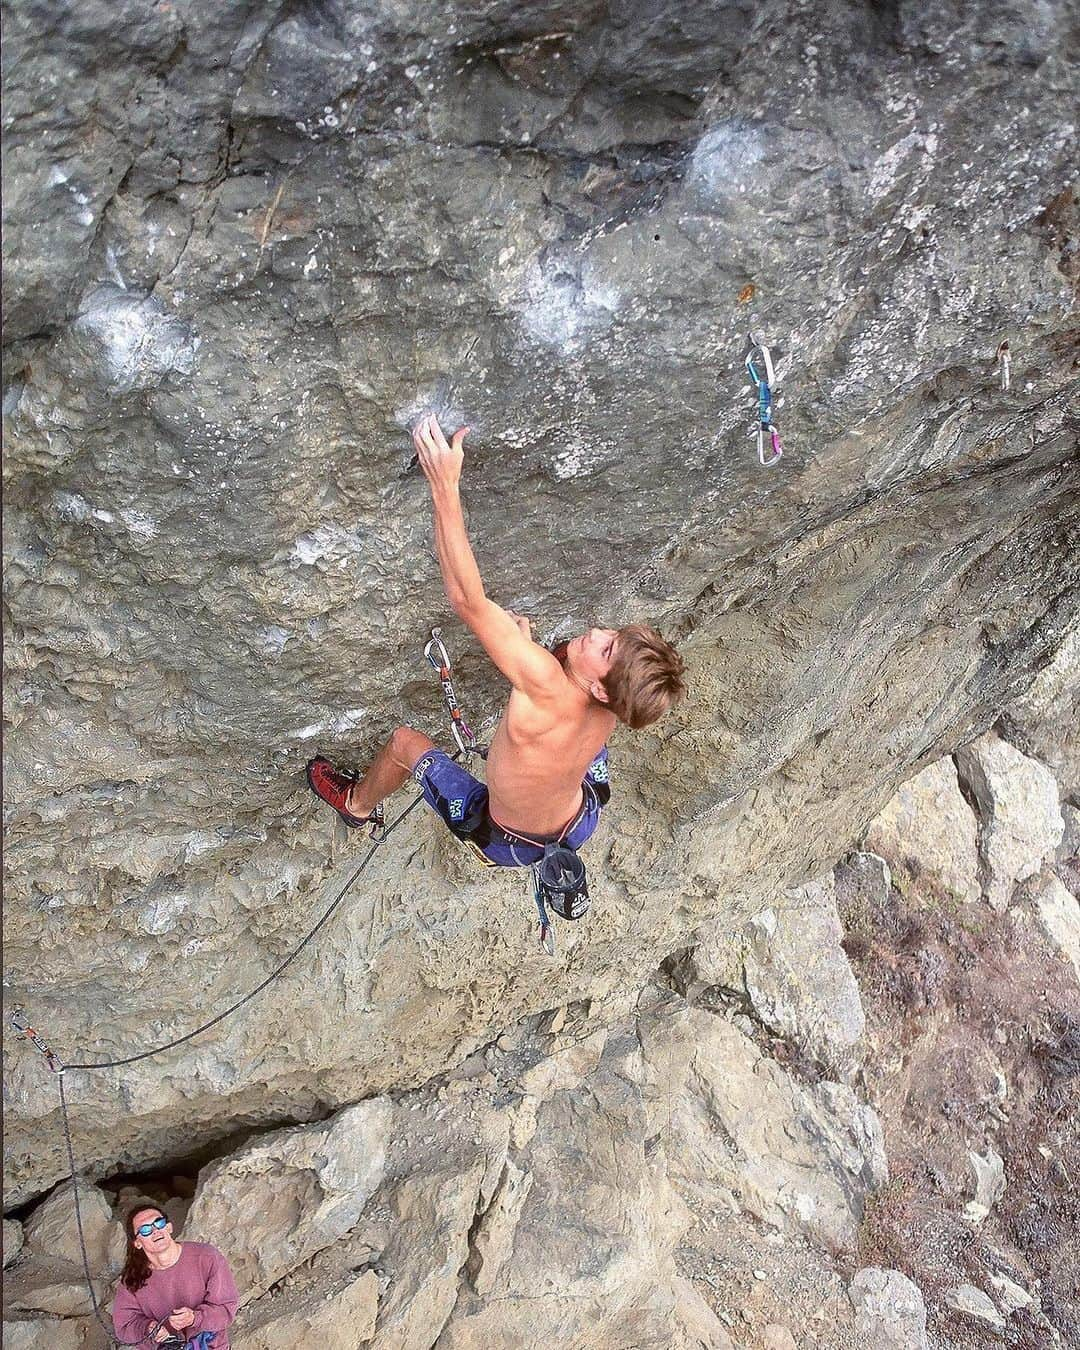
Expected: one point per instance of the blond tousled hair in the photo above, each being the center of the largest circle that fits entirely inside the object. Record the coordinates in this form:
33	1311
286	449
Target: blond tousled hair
645	678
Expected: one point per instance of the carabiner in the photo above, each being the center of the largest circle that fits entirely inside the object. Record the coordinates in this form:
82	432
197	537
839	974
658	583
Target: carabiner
21	1023
443	664
547	932
774	437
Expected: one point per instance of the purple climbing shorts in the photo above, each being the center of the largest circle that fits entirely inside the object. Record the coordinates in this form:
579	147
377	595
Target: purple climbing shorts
461	802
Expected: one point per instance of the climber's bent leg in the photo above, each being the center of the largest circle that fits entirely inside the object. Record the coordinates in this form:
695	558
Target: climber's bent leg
389	769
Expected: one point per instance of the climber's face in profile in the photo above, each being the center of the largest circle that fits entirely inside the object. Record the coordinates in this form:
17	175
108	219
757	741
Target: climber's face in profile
591	654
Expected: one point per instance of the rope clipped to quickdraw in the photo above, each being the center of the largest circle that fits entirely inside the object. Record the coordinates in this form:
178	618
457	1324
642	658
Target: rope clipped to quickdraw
463	734
759	367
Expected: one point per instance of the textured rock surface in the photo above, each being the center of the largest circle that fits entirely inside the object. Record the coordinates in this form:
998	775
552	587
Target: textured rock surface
802	1159
1058	912
293	1192
973	1303
247	243
928	829
889	1310
799	980
42	1333
13	1240
51	1230
1020	816
1045	721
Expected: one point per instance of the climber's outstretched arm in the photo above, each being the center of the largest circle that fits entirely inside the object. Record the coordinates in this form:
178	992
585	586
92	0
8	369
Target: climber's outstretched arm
525	664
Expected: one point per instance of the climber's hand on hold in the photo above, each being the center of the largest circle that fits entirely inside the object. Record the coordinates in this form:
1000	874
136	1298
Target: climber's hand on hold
440	462
524	625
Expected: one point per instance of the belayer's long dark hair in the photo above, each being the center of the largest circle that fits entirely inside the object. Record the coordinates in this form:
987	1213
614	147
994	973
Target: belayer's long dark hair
137	1269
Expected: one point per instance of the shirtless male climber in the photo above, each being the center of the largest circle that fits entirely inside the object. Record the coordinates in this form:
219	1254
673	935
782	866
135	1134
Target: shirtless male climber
547	773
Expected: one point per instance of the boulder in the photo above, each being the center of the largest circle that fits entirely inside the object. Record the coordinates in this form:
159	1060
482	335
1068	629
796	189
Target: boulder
39	1284
973	1303
291	1192
336	1315
927	834
13	1240
889	1311
989	1184
697	1327
803	1159
862	882
1058	914
799	980
1020	822
51	1230
1045	721
1011	1297
42	1333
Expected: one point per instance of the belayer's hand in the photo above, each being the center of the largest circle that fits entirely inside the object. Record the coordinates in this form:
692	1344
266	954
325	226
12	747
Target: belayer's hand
440	462
181	1318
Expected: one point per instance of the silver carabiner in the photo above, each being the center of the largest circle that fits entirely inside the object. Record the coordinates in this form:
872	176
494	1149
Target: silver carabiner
436	642
777	448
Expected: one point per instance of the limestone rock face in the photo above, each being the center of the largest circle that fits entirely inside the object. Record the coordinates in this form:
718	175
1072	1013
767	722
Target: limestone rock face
799	1158
43	1333
51	1230
1058	912
292	1192
1020	816
799	980
338	1316
889	1310
13	1240
929	830
246	244
1045	721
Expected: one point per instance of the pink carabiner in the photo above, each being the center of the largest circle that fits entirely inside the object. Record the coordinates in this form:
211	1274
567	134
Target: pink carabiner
777	448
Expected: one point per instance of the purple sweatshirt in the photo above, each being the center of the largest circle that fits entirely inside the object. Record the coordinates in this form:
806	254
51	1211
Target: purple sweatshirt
201	1280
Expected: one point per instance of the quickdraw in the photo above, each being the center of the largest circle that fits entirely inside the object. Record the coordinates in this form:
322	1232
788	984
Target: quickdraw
463	734
21	1024
1004	362
758	355
547	932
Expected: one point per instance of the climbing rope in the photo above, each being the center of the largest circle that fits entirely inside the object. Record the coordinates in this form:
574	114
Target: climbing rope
21	1025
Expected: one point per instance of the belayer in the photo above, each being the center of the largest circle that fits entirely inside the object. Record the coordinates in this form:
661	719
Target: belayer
547	769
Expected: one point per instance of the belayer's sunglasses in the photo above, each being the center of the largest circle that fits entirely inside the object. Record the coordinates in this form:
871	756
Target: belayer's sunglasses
145	1229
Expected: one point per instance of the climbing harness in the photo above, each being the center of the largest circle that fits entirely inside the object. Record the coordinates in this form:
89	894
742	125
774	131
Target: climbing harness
759	367
439	658
1004	360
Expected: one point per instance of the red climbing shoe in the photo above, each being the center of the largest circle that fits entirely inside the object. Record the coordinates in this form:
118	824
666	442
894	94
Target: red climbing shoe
333	786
